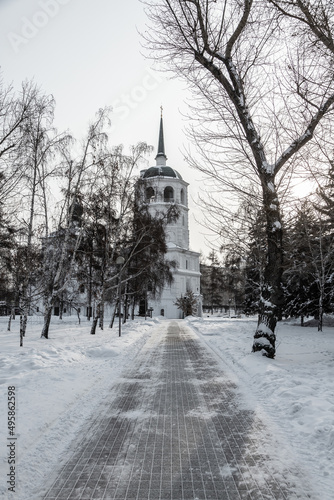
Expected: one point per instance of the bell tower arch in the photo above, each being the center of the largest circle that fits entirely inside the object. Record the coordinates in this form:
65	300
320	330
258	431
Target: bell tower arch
164	185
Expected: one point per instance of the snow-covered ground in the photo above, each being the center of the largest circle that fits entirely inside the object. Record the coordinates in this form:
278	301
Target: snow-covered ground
61	381
295	392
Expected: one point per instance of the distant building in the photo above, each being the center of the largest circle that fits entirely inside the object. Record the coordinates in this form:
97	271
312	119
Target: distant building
162	186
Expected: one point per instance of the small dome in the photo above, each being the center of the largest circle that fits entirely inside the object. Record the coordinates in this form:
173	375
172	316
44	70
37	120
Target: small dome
161	171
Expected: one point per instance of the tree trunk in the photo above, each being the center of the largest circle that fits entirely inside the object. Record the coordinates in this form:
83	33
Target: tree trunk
145	304
320	321
271	296
322	280
23	305
321	311
61	307
90	291
9	322
95	320
101	322
114	315
133	309
126	307
47	321
23	323
94	325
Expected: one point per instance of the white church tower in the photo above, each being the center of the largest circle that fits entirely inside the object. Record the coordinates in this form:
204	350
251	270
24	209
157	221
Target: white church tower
162	186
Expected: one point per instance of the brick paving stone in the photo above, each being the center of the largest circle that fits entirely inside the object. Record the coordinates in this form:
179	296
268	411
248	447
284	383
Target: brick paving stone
174	431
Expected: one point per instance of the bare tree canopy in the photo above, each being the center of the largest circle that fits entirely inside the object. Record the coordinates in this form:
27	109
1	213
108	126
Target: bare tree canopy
262	77
313	17
17	109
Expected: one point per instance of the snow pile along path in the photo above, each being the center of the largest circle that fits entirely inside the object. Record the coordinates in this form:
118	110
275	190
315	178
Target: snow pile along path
295	391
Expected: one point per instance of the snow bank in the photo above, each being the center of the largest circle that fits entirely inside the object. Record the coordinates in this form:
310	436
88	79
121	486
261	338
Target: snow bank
58	383
295	391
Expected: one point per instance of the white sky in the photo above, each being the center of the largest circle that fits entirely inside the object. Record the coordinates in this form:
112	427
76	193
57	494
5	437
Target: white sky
88	55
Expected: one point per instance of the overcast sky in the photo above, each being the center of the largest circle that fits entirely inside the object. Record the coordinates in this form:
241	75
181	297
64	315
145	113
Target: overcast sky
89	55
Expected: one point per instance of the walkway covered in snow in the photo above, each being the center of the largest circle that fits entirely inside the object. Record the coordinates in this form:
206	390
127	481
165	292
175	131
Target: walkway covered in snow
174	429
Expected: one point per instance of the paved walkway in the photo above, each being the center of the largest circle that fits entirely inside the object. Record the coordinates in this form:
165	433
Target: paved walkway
173	431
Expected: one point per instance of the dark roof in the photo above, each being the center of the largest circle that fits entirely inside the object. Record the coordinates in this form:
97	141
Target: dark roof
161	171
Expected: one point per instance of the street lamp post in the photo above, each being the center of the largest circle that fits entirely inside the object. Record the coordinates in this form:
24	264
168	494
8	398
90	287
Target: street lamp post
119	263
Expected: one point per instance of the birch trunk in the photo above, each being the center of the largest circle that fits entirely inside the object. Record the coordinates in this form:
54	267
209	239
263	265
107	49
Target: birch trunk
114	315
47	321
321	307
9	322
23	315
27	278
23	326
101	322
95	320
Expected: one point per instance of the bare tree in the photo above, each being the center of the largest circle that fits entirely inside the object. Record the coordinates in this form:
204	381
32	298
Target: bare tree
60	248
16	108
259	101
314	18
126	229
26	146
40	145
112	208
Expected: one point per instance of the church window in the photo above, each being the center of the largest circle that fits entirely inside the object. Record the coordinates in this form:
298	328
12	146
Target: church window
150	194
168	194
186	264
182	220
171	236
182	197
